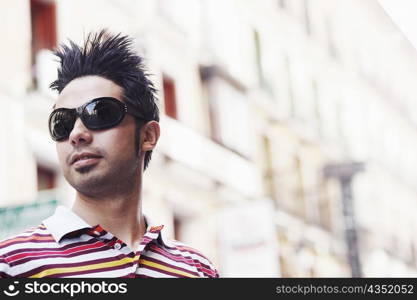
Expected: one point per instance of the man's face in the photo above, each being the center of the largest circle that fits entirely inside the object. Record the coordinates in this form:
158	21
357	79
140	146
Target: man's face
118	164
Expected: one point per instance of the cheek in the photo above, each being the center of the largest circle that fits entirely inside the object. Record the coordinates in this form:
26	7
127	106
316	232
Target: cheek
62	153
122	143
119	142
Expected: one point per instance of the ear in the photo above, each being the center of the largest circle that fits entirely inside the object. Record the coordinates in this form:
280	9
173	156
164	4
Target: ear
150	136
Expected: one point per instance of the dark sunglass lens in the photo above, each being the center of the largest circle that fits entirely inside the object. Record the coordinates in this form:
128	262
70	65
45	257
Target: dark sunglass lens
61	123
103	114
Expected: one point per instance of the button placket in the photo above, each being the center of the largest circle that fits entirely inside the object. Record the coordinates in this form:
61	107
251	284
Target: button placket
117	246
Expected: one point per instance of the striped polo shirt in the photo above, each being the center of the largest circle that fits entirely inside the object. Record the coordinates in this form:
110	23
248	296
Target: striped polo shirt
64	245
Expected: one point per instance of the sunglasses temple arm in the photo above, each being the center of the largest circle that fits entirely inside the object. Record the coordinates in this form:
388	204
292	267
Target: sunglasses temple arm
135	114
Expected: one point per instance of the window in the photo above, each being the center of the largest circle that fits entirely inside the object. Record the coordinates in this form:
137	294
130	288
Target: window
299	193
317	113
307	17
330	39
228	110
206	74
43	22
46	178
262	79
290	187
325	206
258	56
290	86
339	125
269	177
170	100
43	17
178	224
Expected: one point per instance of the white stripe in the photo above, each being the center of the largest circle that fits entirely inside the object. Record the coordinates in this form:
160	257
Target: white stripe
30	265
25	234
107	253
152	273
53	245
170	261
107	236
4	268
189	254
108	274
45	254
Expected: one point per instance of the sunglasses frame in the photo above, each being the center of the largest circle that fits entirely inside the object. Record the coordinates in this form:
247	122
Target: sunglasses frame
78	112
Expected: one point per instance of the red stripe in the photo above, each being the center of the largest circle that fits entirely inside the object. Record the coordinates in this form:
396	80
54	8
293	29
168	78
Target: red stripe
67	251
191	250
19	255
172	256
183	251
189	261
96	251
207	271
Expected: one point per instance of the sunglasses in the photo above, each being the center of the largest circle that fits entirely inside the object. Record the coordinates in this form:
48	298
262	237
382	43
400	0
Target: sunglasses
97	114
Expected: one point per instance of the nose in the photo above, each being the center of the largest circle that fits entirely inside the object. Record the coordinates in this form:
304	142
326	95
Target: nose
80	134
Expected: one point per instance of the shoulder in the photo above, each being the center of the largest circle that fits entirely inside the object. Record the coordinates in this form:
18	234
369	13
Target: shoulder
203	264
15	244
36	234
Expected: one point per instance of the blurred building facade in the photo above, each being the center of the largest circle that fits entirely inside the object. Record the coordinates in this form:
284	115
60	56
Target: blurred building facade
257	98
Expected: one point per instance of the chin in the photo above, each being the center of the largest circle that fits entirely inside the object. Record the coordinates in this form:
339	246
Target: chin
86	182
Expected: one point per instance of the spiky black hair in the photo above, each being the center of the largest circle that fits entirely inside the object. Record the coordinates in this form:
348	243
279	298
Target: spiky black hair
111	57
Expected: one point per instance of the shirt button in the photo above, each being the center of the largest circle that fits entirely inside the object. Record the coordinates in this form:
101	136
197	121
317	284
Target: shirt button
117	246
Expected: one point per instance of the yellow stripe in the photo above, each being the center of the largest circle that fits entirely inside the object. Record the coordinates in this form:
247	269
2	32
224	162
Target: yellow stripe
95	267
165	268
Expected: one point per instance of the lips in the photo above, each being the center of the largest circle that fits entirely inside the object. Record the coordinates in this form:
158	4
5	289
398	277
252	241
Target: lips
85	156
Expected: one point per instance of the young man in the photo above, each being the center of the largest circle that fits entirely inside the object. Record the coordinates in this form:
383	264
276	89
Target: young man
105	125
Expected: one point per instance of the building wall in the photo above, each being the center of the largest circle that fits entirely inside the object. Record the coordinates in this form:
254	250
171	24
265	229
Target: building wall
17	164
268	93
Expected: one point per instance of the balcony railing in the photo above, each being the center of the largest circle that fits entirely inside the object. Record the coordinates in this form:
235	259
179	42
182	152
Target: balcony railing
17	218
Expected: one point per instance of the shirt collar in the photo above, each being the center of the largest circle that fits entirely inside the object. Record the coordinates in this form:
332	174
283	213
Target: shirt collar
64	221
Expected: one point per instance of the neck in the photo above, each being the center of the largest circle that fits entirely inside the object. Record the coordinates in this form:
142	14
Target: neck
120	214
